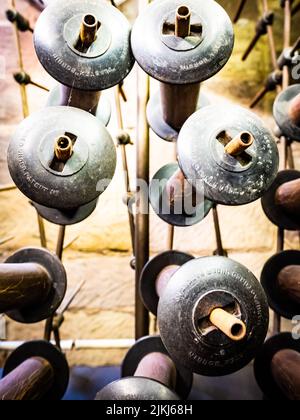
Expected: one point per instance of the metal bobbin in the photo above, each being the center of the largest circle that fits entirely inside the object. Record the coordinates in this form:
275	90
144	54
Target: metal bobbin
226	177
46	179
35	283
35	371
188	42
280	279
213	316
281	202
184	206
149	374
276	371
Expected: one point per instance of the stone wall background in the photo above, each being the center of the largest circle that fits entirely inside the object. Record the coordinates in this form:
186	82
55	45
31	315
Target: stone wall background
102	252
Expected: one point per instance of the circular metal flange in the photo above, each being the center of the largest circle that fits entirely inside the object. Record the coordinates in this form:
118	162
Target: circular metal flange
68	217
153	344
103	111
174	60
160	204
226	179
58	277
105	64
281	113
196	289
275	212
152	270
55	358
157	122
263	361
84	176
281	304
136	389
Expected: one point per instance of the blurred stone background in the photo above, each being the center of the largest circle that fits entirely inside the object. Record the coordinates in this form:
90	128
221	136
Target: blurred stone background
102	252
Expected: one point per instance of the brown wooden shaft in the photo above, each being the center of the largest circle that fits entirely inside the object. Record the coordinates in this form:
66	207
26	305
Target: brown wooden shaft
22	285
294	110
239	144
158	366
288	196
164	278
289	282
63	148
29	381
229	324
285	368
179	102
88	101
183	21
88	30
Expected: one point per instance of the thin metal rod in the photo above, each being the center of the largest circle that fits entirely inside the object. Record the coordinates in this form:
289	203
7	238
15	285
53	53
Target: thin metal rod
29	381
170	240
5	240
125	167
6	188
142	205
287	40
220	249
280	247
271	39
60	241
239	10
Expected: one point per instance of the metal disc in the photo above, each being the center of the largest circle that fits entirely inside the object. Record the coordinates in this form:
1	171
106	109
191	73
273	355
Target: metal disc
168	58
46	351
276	213
84	176
136	389
278	302
107	62
153	344
152	270
262	364
157	122
157	194
68	217
55	269
281	109
226	179
103	110
195	290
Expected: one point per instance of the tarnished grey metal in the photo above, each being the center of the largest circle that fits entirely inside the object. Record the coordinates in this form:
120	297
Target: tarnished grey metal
281	113
106	63
40	4
58	279
136	389
195	290
157	196
54	357
226	179
93	159
175	60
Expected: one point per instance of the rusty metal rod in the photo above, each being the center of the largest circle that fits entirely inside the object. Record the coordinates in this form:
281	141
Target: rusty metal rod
29	381
285	368
261	29
183	21
142	205
5	188
239	143
158	366
220	250
60	241
280	248
287	40
88	30
239	11
22	285
271	39
63	148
